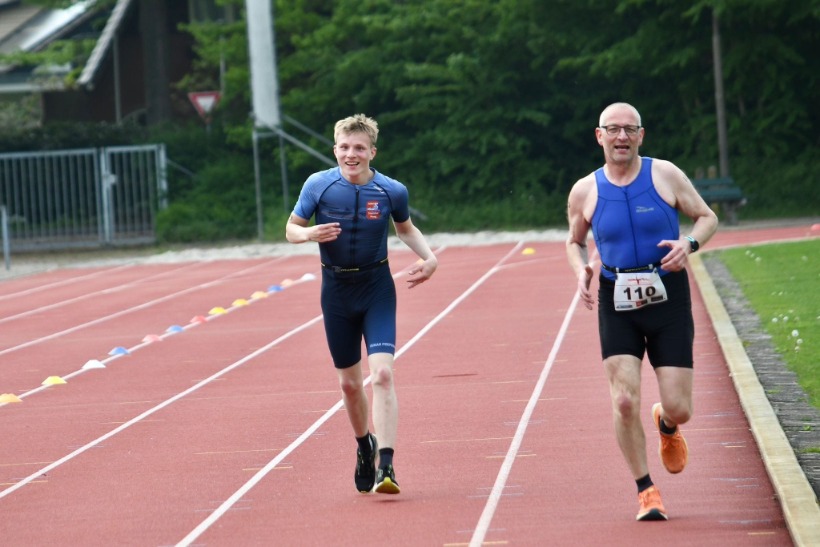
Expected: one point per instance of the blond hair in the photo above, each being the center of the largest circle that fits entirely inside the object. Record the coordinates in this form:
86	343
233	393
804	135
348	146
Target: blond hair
358	123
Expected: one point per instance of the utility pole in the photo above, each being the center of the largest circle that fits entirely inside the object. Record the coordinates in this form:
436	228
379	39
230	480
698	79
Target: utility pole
720	99
264	91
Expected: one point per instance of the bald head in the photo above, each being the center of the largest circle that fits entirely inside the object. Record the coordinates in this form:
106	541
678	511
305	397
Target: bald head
619	109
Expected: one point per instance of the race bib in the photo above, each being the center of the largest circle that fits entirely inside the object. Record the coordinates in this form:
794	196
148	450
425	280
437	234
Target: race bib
636	290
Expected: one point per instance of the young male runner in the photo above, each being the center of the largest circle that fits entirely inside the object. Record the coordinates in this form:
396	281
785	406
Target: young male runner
353	205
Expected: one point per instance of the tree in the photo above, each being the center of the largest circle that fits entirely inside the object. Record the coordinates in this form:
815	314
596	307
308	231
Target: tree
501	107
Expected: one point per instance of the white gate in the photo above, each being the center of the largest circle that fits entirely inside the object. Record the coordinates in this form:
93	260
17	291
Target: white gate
82	198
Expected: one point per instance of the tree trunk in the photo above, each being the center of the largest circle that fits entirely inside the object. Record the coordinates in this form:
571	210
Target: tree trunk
153	22
720	100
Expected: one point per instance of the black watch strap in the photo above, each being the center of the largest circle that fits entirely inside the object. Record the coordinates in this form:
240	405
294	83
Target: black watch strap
693	243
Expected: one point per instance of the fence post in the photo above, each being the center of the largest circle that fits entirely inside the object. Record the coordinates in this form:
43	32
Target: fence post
4	220
107	180
162	177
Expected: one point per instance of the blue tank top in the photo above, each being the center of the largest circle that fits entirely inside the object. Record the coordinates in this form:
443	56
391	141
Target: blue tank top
363	211
629	222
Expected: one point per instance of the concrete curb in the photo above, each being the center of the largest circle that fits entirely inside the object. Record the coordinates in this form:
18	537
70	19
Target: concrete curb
794	492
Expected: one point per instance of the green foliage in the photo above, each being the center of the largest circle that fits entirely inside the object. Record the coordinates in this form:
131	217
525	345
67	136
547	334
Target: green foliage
779	187
198	221
507	99
274	224
59	52
59	136
216	43
515	211
487	109
65	3
779	281
211	189
219	206
21	113
452	95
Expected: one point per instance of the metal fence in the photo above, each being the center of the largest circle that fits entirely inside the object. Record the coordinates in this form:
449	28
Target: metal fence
82	198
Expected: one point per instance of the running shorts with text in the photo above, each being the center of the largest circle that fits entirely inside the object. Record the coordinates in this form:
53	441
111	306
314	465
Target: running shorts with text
356	306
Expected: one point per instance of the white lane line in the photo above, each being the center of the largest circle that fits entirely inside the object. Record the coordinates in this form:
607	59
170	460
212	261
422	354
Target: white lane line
245	488
82	370
134	308
167	402
143	344
102	292
39	473
504	473
506	467
67	281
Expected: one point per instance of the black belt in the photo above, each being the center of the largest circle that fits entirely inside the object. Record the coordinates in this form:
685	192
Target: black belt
354	269
628	270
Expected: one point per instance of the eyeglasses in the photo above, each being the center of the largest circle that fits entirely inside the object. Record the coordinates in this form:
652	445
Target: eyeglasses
631	130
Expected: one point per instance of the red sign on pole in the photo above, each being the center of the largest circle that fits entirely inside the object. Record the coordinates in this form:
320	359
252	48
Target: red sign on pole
205	102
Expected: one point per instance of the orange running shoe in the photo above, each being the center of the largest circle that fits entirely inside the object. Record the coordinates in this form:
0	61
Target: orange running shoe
672	449
651	506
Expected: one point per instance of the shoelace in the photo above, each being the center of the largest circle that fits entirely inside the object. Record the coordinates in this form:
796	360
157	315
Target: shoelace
650	496
360	459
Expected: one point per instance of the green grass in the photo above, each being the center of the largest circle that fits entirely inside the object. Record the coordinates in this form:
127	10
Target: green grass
781	283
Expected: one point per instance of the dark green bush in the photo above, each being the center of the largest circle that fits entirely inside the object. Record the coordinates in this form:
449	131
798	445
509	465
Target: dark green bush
220	204
779	187
212	194
66	136
201	221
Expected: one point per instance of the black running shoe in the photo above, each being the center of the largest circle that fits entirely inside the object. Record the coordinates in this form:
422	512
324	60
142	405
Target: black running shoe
365	475
386	481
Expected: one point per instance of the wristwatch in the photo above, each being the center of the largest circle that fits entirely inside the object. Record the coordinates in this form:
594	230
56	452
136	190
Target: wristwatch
693	244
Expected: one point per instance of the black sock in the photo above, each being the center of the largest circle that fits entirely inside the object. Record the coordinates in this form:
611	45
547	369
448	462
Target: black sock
364	444
666	429
644	483
385	457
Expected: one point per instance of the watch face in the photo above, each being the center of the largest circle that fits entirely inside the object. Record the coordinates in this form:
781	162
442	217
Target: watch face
693	243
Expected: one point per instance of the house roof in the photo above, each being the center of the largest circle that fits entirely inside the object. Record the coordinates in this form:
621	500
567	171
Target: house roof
31	28
15	21
104	43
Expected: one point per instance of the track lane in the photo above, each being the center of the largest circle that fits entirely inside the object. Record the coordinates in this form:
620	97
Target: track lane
316	471
124	322
423	384
724	489
221	343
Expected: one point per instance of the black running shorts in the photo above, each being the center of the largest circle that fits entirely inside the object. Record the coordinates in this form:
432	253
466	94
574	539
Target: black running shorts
355	306
665	332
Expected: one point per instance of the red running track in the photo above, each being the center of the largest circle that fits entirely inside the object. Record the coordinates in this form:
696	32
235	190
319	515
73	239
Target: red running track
200	408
